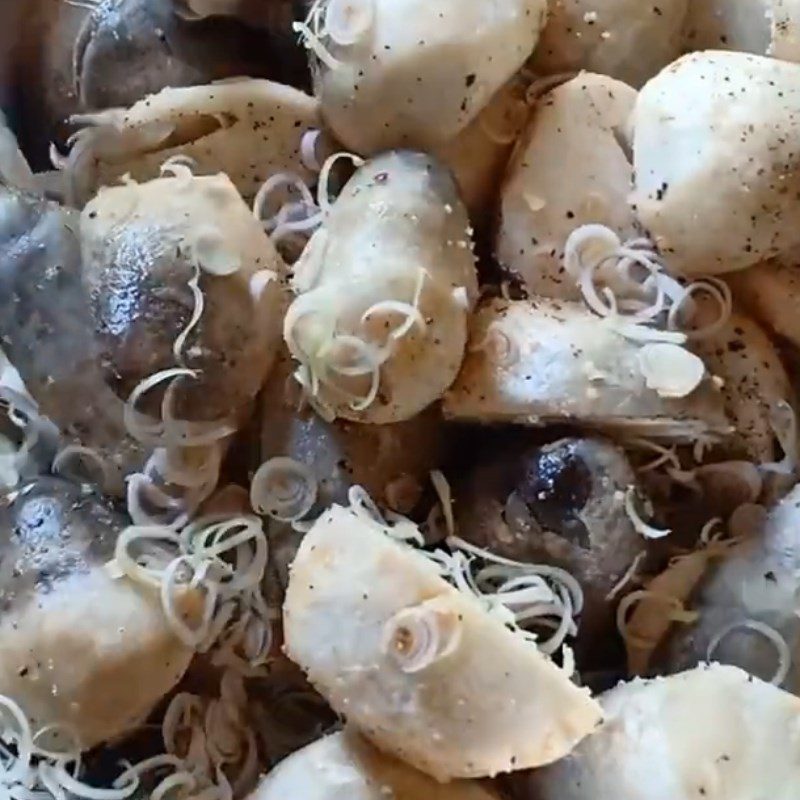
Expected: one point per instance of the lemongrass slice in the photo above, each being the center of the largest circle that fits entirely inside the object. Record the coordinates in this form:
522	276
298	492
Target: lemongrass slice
283	489
418	637
770	634
670	369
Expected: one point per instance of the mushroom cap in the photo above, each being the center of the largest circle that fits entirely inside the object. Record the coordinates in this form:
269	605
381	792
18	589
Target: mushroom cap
142	244
727	120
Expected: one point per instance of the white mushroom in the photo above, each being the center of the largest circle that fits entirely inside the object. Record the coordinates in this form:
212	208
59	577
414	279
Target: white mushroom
79	647
414	73
385	287
727	121
483	700
344	765
569	169
713	733
560	362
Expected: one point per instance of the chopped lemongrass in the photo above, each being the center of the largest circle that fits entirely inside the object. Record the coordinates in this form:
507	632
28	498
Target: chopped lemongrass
442	487
671	370
415	638
323	190
640	526
169	431
628	577
31	771
308	150
281	180
311	41
220	559
719	291
769	633
197	313
91	467
209	747
283	489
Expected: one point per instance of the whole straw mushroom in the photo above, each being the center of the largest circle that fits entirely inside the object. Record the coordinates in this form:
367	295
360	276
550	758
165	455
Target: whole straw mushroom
410	73
726	120
186	290
561	504
384	289
388	642
80	648
538	362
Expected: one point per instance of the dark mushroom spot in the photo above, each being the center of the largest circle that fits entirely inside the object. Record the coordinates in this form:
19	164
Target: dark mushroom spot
556	485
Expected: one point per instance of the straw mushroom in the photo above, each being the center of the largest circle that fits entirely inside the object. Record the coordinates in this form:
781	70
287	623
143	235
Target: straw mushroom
405	655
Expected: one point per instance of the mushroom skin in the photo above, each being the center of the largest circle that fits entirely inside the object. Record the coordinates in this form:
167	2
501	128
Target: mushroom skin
73	59
47	331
